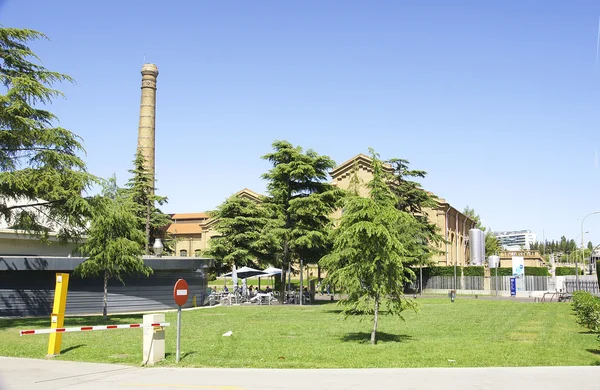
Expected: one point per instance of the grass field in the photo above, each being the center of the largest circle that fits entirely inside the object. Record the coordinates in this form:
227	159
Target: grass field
467	333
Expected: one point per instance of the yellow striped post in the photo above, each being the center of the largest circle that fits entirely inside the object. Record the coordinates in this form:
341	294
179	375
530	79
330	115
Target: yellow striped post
57	318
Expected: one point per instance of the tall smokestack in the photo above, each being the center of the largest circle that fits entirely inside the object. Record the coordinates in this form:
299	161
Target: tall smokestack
146	127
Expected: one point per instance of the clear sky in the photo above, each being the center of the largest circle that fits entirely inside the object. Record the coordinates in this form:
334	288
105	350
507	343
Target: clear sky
498	101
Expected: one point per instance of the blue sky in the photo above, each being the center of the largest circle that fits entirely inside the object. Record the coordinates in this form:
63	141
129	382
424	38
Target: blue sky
498	101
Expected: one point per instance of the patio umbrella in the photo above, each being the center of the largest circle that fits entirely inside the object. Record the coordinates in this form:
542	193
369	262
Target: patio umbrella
246	272
271	271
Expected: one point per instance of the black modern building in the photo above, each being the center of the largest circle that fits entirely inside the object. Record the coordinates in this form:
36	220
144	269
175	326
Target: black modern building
27	286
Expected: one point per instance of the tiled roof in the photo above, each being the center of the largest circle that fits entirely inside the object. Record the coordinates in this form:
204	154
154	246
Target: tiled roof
184	228
190	216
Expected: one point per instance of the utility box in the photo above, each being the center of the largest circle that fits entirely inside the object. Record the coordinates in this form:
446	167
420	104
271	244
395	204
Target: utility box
154	339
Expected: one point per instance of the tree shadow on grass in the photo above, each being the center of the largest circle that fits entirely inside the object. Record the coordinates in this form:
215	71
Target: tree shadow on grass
71	348
319	302
382	337
594	351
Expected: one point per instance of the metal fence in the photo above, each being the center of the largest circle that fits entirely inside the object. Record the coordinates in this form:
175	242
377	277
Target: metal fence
473	282
532	283
586	283
442	282
447	282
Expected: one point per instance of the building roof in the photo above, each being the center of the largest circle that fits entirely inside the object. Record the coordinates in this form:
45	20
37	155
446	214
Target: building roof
249	194
51	263
190	216
362	160
184	228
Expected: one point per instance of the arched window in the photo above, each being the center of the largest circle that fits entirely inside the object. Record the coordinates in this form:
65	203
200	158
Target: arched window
197	253
183	253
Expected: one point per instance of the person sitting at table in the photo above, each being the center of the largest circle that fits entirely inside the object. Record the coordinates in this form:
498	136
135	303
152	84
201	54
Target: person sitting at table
268	289
225	289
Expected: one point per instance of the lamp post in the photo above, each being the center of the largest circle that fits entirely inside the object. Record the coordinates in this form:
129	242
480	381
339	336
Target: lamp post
576	268
157	247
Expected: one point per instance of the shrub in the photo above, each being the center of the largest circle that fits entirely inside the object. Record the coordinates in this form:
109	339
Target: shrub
473	271
587	309
562	271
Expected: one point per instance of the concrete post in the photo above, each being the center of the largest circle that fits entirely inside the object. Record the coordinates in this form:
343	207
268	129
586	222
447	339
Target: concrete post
154	340
487	285
146	128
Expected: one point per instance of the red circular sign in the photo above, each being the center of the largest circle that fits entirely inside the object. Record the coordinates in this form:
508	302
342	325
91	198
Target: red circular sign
180	292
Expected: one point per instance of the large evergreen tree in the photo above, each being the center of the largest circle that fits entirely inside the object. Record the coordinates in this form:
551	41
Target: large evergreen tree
114	243
301	201
243	235
371	249
411	198
140	188
42	178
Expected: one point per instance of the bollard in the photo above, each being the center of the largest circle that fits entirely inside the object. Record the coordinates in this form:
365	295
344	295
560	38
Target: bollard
154	339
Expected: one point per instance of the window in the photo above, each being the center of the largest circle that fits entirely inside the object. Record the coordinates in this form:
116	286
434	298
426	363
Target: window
197	253
183	253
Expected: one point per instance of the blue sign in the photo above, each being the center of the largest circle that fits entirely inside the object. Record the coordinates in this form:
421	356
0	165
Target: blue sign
513	287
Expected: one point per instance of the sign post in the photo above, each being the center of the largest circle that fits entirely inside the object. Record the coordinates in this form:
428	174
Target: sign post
180	294
513	287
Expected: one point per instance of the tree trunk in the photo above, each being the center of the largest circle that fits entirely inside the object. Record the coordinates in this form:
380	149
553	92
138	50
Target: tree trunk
147	247
105	308
375	321
283	272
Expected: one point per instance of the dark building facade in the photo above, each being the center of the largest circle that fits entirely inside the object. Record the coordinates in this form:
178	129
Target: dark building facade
27	286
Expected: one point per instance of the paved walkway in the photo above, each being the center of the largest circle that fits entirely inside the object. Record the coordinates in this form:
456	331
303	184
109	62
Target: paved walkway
18	373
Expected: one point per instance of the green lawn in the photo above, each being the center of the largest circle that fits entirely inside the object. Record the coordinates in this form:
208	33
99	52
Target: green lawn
467	333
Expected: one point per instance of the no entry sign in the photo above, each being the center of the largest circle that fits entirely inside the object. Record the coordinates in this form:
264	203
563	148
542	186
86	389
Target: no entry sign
180	292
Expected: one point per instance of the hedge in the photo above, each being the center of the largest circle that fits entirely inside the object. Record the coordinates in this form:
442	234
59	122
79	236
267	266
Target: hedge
441	271
562	271
479	271
473	271
529	271
502	272
536	271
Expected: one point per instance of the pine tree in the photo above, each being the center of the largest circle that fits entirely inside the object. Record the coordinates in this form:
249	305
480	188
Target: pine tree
301	200
140	188
243	240
371	249
413	199
114	243
42	178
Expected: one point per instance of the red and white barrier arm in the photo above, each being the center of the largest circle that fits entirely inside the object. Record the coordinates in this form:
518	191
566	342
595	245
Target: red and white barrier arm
97	327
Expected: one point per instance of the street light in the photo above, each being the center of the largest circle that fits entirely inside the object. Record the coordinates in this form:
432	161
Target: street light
576	268
157	247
